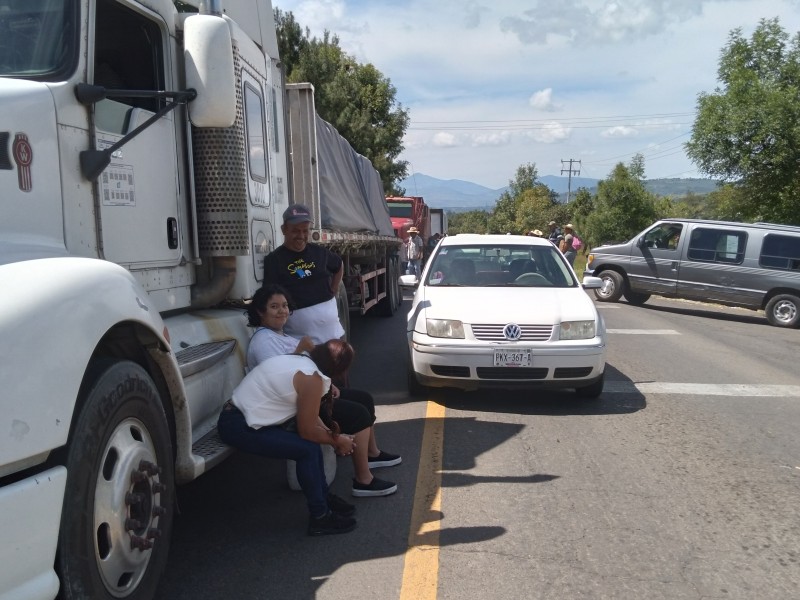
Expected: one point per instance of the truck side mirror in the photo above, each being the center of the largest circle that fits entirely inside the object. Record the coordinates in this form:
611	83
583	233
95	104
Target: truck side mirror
208	55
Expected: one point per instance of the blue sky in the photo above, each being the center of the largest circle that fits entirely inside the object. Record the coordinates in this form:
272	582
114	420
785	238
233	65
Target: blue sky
492	85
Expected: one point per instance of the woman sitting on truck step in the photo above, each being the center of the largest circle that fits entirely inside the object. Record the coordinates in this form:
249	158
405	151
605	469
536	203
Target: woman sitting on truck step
268	313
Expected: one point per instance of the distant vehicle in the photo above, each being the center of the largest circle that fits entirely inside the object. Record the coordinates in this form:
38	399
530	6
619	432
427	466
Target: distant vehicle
505	312
438	221
409	211
754	266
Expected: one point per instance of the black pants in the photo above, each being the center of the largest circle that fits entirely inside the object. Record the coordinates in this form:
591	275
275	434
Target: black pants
353	410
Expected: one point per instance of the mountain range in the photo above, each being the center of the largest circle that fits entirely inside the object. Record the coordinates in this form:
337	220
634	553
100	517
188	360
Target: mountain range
457	195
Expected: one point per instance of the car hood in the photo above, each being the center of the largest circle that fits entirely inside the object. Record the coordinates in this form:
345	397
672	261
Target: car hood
543	306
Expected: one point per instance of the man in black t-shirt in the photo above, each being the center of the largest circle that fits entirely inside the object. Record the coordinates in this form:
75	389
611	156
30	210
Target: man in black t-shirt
311	274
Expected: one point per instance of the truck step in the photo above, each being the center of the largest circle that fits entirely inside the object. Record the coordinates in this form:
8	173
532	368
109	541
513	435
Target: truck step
212	449
203	356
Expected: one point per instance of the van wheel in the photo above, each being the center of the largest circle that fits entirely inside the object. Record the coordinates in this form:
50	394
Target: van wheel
783	311
118	504
612	289
636	298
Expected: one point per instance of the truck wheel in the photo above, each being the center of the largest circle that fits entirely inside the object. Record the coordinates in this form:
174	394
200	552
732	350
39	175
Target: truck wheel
386	307
398	293
612	289
783	311
118	503
636	298
343	308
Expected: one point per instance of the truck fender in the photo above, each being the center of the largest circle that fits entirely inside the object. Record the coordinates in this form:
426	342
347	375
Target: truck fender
53	314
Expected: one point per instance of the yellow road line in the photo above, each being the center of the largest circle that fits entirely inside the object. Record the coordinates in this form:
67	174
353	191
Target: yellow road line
421	568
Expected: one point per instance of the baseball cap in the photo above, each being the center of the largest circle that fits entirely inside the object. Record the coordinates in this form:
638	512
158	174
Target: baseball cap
297	213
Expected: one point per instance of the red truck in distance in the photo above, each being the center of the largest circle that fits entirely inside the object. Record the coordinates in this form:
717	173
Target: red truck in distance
409	211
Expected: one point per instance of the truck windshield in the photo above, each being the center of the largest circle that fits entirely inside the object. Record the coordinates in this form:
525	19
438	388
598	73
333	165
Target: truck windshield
38	38
400	209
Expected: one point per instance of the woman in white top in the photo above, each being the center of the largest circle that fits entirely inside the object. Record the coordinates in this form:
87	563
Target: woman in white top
275	412
353	409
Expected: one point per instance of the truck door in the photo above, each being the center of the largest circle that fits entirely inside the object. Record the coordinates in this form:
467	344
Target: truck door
138	203
655	260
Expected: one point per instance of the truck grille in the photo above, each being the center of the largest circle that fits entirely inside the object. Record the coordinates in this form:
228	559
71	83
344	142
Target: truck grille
494	333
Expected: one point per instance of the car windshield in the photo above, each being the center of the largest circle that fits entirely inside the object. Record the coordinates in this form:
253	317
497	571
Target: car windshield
38	38
500	266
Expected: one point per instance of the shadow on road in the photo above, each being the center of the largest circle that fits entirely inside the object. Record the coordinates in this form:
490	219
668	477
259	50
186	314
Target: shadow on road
715	312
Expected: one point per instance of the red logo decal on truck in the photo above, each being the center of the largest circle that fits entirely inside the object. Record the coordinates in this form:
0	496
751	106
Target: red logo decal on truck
23	154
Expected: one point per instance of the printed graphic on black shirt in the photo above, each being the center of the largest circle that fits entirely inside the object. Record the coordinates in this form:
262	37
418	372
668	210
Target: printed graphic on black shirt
301	268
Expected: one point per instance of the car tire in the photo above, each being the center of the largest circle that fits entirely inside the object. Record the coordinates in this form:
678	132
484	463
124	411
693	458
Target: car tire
415	388
119	500
593	391
613	286
636	298
783	311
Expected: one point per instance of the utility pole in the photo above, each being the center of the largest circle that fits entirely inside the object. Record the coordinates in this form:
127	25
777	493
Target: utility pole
570	171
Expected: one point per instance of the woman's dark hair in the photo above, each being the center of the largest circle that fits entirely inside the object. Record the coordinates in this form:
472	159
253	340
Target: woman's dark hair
333	357
260	299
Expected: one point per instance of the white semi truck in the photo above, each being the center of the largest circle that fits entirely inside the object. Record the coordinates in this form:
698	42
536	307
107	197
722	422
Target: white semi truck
147	151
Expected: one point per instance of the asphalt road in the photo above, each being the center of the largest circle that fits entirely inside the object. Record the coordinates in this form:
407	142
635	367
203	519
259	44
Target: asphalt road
681	481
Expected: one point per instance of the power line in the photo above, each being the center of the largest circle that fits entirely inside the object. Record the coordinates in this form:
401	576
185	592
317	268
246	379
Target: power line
570	171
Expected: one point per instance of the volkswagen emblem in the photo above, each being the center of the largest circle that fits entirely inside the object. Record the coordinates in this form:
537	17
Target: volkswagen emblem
512	332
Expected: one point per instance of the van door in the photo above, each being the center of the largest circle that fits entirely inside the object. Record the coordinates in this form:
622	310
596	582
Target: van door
711	269
655	260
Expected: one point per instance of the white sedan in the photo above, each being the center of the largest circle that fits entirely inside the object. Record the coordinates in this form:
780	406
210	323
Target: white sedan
507	312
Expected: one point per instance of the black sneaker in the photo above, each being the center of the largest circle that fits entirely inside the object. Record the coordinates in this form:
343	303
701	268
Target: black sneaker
340	507
377	487
330	524
384	459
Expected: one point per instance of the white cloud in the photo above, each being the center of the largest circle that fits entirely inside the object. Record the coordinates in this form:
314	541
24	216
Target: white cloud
550	133
543	100
500	138
620	131
444	140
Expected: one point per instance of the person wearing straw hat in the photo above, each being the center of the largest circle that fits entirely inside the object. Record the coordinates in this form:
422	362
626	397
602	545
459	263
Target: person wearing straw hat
413	251
566	246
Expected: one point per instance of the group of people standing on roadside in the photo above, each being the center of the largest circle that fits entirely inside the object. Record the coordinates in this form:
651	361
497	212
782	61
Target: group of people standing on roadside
563	241
295	396
414	251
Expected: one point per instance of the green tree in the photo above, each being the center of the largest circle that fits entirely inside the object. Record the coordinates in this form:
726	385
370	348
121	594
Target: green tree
623	207
356	99
474	221
526	204
747	132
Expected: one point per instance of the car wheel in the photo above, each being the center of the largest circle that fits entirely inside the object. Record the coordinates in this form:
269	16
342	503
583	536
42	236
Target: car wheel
415	388
612	289
118	503
783	311
592	391
636	298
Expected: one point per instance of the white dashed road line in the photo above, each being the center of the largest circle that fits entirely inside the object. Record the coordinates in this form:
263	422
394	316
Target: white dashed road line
702	389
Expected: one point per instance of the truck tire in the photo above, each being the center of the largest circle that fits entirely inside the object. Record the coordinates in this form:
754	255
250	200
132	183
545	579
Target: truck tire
398	293
387	306
343	308
118	504
613	286
783	311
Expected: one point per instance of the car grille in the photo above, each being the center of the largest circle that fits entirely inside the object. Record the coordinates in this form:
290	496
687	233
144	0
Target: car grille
510	373
449	371
571	372
494	333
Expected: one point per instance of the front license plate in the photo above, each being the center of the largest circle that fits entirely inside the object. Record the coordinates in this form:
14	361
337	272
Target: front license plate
512	358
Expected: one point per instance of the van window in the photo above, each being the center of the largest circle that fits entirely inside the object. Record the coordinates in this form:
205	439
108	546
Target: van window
664	236
780	252
717	245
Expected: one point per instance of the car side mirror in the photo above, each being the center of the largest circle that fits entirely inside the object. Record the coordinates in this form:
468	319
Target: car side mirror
592	283
408	281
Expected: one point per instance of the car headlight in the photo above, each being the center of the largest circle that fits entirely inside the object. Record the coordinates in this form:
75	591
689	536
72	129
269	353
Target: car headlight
445	328
577	330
